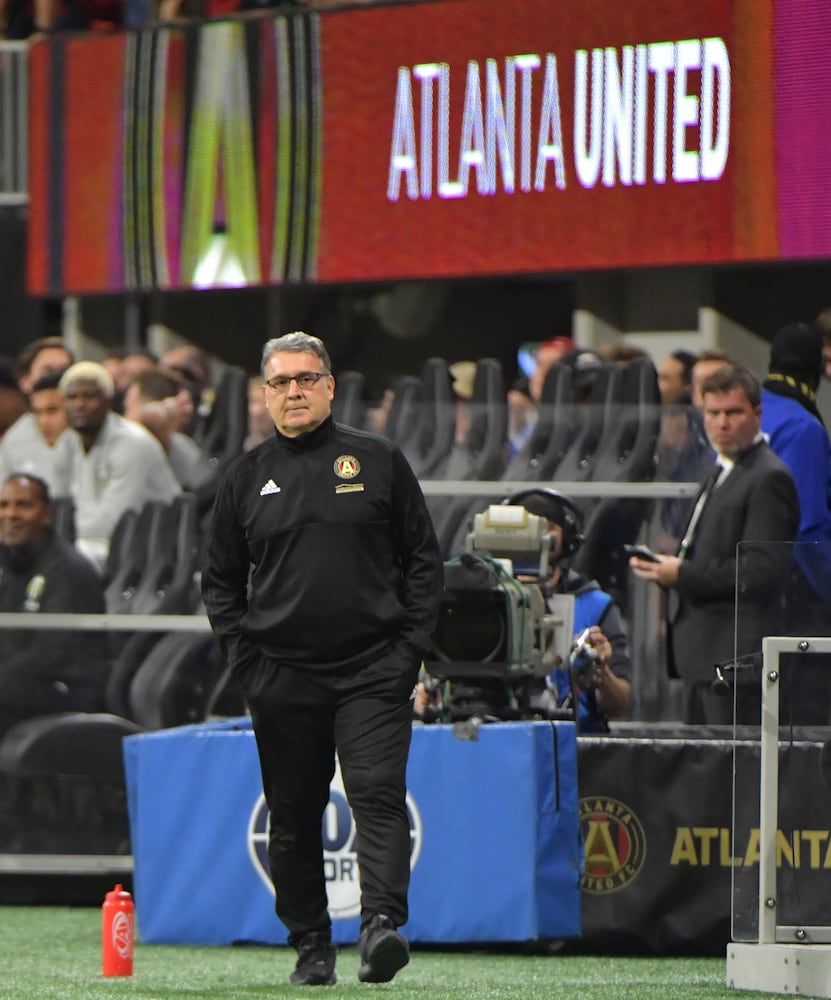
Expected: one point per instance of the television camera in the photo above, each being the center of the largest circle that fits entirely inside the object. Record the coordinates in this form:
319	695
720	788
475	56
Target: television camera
500	631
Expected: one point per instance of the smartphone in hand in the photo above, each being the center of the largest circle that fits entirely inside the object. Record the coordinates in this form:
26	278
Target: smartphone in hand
641	552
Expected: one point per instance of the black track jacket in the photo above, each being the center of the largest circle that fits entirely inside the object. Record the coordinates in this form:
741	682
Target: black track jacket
343	561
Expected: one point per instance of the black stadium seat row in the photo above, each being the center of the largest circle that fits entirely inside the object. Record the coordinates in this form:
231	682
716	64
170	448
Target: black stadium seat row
607	433
158	678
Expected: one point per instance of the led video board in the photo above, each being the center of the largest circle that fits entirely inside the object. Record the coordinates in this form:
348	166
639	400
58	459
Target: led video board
464	137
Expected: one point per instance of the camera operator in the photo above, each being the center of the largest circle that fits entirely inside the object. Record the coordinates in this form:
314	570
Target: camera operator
603	668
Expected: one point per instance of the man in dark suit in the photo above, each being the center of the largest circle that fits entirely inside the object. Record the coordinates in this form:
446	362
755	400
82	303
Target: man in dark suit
748	498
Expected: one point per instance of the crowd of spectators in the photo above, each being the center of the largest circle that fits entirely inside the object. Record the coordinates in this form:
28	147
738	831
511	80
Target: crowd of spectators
112	435
35	19
107	436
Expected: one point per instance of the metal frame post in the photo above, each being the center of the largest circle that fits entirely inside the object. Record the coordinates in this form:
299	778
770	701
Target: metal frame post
786	960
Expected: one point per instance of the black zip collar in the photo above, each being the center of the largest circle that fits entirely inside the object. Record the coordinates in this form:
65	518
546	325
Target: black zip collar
308	441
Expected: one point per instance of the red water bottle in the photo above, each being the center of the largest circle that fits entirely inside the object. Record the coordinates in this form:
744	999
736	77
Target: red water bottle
117	933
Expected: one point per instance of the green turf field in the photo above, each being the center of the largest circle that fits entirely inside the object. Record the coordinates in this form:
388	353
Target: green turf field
54	953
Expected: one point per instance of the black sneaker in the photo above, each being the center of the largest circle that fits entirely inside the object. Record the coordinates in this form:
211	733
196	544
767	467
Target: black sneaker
315	960
383	950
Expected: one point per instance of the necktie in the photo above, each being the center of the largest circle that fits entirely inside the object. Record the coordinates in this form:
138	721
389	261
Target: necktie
710	484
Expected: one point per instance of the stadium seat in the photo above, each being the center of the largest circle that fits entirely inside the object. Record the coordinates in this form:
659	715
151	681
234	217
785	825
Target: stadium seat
594	419
226	426
163	554
566	440
167	584
537	460
349	405
627	452
405	411
153	563
152	559
127	556
174	684
225	430
426	449
160	549
49	745
170	684
553	433
480	455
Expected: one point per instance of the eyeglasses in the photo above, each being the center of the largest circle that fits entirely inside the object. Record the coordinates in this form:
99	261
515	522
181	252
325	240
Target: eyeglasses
304	380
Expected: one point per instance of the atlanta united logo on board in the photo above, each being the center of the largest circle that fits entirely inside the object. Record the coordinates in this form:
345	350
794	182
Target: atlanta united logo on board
615	844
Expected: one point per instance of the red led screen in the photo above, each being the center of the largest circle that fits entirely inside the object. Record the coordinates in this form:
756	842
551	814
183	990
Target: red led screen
467	137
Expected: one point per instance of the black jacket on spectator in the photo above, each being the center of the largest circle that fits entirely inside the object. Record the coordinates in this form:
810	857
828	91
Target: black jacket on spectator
44	670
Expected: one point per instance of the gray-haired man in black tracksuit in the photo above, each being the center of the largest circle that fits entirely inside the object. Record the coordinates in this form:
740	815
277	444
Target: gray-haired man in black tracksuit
321	578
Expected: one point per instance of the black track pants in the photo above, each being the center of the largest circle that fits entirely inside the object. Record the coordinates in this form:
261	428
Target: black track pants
299	718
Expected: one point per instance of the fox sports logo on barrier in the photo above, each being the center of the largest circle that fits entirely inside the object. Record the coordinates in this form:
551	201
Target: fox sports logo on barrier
340	861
